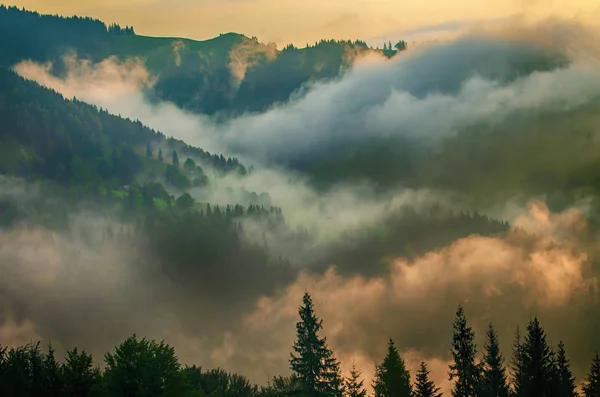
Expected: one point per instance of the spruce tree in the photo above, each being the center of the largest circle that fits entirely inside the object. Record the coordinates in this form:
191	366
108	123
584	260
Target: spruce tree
517	364
464	370
354	385
160	155
424	387
392	379
148	150
175	159
565	381
494	382
591	386
314	364
536	373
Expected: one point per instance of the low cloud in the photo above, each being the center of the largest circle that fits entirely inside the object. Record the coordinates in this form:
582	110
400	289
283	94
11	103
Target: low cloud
503	280
327	215
486	77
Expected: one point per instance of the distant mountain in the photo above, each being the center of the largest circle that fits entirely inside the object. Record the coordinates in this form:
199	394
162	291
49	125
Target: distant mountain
230	73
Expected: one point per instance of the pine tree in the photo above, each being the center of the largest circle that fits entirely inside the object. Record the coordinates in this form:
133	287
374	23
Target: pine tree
494	382
517	364
148	150
175	159
464	370
424	387
565	381
160	155
535	377
591	386
354	385
314	363
392	379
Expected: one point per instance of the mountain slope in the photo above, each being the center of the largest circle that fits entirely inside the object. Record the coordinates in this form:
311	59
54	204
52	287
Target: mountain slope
229	73
42	134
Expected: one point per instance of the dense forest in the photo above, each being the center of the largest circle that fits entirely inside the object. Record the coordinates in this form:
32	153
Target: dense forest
68	141
195	75
143	367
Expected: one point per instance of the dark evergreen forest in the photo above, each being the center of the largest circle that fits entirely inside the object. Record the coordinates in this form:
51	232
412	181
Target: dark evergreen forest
143	367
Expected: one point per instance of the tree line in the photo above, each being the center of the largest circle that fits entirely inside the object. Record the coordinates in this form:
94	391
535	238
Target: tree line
143	367
28	34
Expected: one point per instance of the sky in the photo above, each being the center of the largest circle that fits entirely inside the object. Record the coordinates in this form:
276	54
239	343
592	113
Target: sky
305	22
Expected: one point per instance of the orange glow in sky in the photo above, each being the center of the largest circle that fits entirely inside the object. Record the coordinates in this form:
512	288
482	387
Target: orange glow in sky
302	22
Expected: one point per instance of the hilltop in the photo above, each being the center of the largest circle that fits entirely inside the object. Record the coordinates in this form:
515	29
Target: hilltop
230	73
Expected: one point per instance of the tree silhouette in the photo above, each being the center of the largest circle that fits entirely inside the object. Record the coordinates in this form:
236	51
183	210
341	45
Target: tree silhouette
494	382
591	386
536	373
391	376
354	385
464	370
314	364
52	374
79	375
424	387
565	381
143	367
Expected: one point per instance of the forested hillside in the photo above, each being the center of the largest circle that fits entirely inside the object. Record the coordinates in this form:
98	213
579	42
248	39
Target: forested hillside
69	141
230	73
74	147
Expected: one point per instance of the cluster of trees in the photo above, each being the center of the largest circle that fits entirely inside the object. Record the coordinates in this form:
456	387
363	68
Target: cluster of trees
142	367
29	35
137	367
390	51
291	69
206	250
217	161
117	29
537	368
409	232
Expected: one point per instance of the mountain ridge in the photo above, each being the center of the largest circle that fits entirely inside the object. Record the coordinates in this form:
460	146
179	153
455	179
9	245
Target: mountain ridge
229	73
